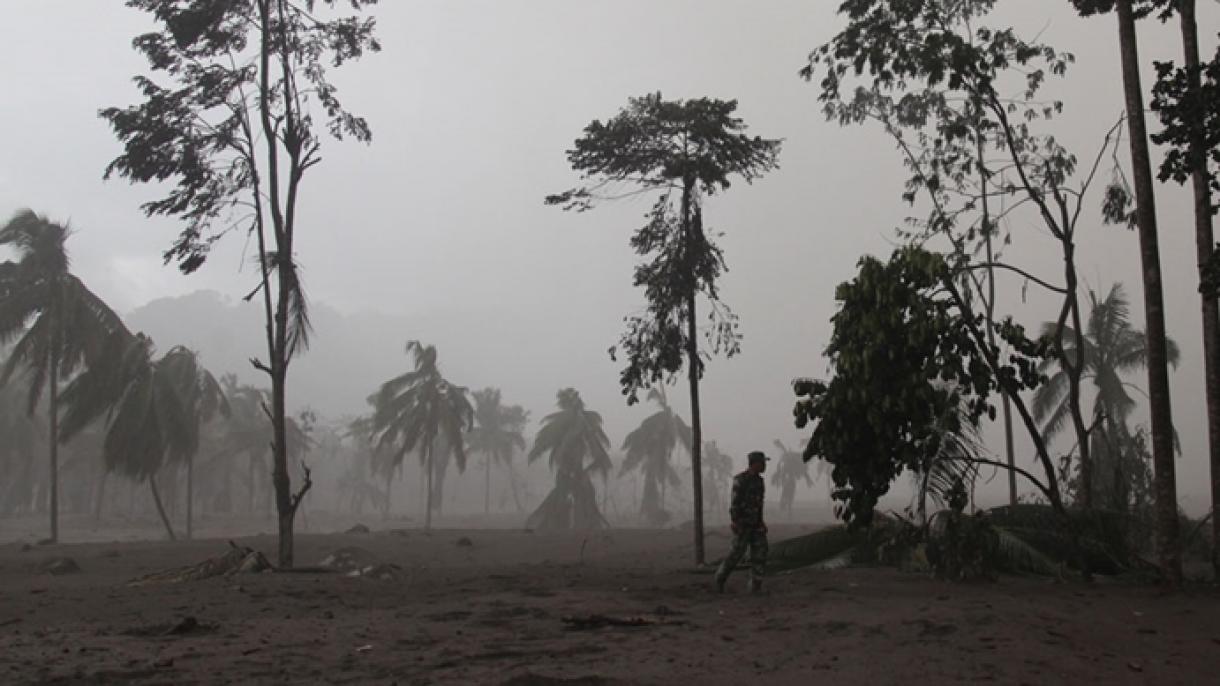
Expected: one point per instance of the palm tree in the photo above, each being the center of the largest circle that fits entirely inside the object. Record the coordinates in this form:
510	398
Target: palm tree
58	324
649	449
498	433
575	445
955	463
1112	347
717	474
421	409
245	433
202	399
363	461
153	411
790	470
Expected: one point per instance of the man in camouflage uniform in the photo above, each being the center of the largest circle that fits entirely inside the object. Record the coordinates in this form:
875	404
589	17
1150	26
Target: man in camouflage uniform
749	530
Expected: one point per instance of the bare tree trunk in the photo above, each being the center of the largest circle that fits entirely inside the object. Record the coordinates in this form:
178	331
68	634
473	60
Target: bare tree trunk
385	507
53	437
1009	452
190	494
512	482
487	488
428	495
152	484
1204	245
1075	369
694	365
250	485
1168	545
100	497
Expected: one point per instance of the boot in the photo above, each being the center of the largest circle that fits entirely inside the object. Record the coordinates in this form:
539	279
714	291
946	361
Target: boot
756	586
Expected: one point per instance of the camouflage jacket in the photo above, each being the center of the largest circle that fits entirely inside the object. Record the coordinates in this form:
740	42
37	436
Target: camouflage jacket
746	509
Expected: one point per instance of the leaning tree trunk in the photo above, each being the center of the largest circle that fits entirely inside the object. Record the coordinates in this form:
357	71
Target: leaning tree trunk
250	474
1075	370
428	486
512	482
1168	545
385	506
190	497
152	484
99	497
1203	249
694	367
53	438
487	487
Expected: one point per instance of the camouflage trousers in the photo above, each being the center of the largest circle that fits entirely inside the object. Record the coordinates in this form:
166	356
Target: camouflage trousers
756	541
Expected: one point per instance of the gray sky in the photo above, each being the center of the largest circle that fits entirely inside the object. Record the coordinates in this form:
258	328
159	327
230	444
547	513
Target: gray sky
472	105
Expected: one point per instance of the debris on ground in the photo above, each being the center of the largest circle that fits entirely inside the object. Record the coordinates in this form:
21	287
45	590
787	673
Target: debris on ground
238	560
380	572
59	566
600	621
358	529
349	559
186	626
464	542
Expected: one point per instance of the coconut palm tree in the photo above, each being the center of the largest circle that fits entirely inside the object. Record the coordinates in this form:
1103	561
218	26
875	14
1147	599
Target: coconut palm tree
153	411
954	466
576	448
790	470
649	449
245	433
362	461
55	323
421	409
1112	348
498	433
717	474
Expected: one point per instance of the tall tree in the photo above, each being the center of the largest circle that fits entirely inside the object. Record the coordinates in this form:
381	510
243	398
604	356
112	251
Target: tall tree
56	324
932	75
1168	544
498	433
232	124
691	148
911	365
1111	348
1188	102
575	445
421	410
650	448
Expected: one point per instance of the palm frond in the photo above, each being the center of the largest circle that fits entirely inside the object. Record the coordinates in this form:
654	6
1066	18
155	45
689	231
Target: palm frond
1018	555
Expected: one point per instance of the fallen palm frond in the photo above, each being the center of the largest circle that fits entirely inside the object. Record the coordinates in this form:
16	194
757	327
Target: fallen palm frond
1020	556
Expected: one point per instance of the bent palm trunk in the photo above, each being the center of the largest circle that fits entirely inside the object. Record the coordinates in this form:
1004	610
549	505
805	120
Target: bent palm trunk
152	484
